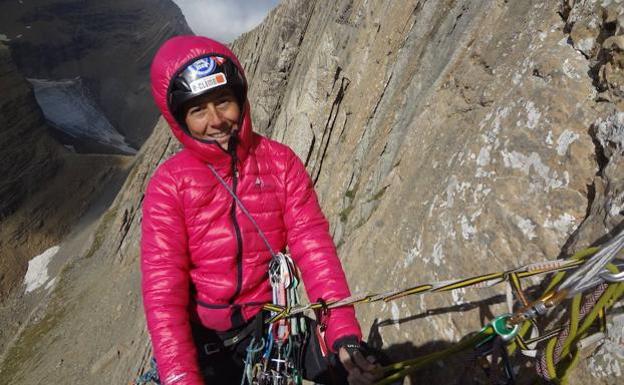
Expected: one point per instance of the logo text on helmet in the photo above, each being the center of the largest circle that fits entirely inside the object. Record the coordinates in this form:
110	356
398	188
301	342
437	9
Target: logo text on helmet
208	82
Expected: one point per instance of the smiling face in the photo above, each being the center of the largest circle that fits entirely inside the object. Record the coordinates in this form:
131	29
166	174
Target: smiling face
214	116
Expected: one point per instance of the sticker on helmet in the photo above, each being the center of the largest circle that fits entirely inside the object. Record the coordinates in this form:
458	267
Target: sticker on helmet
220	60
208	82
202	67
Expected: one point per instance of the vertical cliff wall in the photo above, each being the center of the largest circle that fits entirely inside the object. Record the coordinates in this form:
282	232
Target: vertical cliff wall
445	139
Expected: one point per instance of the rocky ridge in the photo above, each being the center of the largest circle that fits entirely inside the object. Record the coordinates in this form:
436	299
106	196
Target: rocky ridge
444	140
29	157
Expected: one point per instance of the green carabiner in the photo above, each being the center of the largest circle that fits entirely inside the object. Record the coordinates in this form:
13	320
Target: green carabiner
502	328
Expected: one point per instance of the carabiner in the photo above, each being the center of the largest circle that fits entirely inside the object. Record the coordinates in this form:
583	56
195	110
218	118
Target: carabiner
613	277
502	328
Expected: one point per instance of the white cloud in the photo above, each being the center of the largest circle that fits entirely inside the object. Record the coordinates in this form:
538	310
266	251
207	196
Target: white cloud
224	20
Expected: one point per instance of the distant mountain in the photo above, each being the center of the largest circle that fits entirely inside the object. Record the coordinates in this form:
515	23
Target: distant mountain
109	44
28	154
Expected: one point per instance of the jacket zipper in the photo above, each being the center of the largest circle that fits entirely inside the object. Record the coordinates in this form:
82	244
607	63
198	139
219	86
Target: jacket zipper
239	238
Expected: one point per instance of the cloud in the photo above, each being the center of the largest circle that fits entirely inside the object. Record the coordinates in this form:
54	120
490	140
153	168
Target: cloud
224	20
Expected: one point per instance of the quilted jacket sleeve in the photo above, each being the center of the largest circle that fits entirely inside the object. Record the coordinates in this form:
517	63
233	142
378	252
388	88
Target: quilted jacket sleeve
165	282
314	251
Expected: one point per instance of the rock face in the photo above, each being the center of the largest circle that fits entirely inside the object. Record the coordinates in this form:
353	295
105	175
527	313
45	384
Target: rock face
29	157
44	189
446	139
28	153
109	44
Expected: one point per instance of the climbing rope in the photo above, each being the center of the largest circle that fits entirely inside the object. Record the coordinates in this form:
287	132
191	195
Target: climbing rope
479	281
561	354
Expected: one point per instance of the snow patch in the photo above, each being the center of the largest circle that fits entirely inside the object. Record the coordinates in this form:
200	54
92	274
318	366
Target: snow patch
37	274
69	108
565	140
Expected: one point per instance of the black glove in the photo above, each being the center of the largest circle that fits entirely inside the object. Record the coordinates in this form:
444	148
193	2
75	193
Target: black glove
360	365
351	344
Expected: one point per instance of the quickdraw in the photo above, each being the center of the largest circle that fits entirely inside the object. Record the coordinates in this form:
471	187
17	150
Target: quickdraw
281	350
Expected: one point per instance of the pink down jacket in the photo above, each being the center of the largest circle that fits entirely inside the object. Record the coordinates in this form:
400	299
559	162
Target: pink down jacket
202	260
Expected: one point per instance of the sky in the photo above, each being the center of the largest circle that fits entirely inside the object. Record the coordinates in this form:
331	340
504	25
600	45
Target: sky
224	20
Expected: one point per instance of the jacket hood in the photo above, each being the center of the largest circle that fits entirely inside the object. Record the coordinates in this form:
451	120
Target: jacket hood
175	54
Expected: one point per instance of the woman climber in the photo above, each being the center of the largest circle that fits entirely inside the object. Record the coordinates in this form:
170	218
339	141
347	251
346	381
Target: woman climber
210	214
